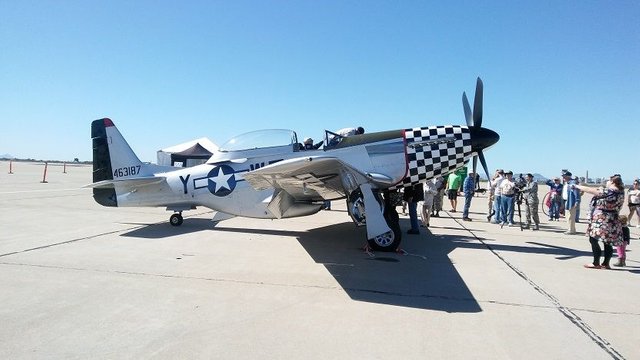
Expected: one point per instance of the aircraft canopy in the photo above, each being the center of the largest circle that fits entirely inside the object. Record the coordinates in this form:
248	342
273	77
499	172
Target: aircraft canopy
260	139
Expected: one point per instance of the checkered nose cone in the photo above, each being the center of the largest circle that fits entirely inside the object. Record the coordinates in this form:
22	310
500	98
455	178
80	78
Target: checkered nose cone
435	150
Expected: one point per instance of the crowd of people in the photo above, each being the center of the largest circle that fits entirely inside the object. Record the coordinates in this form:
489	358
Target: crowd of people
607	226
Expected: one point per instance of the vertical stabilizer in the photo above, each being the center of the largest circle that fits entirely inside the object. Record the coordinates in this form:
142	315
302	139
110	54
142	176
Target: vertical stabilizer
112	159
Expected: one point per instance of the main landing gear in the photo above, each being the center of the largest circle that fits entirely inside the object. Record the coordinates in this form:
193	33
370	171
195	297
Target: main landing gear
381	219
176	219
388	241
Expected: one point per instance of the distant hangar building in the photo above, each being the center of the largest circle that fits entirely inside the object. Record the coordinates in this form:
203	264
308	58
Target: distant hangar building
188	154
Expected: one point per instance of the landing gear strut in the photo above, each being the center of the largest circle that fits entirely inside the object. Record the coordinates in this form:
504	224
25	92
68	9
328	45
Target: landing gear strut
176	219
382	221
391	240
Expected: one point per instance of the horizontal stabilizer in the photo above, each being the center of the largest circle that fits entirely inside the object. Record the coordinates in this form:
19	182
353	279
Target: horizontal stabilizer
139	181
220	216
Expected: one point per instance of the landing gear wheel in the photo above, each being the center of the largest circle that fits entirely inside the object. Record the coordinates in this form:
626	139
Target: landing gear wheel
391	240
176	220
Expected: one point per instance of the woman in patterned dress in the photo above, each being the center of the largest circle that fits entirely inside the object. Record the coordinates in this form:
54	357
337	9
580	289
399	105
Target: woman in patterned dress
604	224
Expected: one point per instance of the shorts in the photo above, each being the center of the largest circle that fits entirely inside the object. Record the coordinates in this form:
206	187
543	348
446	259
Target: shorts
452	194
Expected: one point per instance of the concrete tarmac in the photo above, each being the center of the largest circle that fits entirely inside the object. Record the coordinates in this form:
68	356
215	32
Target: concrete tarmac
78	281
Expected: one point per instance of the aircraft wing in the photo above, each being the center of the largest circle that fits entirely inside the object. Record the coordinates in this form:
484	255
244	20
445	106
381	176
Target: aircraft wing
313	178
132	182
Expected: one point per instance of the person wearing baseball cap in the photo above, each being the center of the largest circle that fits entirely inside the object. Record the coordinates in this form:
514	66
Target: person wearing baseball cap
530	193
496	197
555	188
508	189
571	196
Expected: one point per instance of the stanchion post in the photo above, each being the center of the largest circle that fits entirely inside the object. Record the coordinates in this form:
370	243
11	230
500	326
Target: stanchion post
44	176
10	166
64	168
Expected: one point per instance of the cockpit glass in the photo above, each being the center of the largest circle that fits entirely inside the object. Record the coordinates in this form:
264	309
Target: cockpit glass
260	139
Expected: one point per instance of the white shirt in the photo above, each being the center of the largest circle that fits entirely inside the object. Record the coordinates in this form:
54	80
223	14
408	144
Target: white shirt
430	188
634	196
507	187
495	183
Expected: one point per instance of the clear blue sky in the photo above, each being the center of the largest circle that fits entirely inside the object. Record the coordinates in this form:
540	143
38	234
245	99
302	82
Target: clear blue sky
562	78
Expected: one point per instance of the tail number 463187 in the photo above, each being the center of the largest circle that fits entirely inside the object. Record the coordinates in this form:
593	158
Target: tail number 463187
126	171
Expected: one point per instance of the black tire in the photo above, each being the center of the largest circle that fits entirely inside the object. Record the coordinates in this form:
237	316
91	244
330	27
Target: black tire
390	241
176	220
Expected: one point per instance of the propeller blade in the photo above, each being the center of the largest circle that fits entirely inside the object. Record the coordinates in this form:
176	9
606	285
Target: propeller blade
467	109
475	164
484	164
477	105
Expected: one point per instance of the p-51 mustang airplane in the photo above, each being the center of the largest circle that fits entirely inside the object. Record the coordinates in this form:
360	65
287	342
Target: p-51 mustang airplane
267	174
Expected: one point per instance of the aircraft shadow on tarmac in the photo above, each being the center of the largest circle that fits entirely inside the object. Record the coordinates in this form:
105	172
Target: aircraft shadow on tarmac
424	278
163	229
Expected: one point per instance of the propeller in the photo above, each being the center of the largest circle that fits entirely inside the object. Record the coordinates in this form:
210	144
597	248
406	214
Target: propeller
480	137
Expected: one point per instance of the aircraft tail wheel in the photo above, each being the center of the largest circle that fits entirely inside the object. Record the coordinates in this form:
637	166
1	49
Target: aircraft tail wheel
391	240
176	219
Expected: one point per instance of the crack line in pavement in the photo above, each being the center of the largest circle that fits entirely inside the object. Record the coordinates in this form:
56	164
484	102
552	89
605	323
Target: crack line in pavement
307	286
86	238
573	317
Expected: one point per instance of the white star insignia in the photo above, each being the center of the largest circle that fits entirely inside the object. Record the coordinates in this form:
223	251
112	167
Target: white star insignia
222	180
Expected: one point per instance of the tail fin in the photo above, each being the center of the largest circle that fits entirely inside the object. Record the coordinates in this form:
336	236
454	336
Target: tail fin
112	157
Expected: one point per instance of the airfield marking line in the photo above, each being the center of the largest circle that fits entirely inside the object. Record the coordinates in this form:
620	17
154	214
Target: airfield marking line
43	190
35	197
567	312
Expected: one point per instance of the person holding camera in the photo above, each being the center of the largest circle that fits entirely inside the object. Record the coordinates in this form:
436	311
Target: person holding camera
633	201
604	224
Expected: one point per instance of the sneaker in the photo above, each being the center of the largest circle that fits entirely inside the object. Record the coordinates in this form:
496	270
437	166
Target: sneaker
466	219
526	227
569	233
536	227
510	225
620	263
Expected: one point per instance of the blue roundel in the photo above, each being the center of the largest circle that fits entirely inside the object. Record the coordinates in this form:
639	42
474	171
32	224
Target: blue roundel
222	180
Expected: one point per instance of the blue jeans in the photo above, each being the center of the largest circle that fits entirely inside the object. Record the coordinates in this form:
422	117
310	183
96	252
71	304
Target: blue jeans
554	210
467	203
507	209
413	215
497	208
